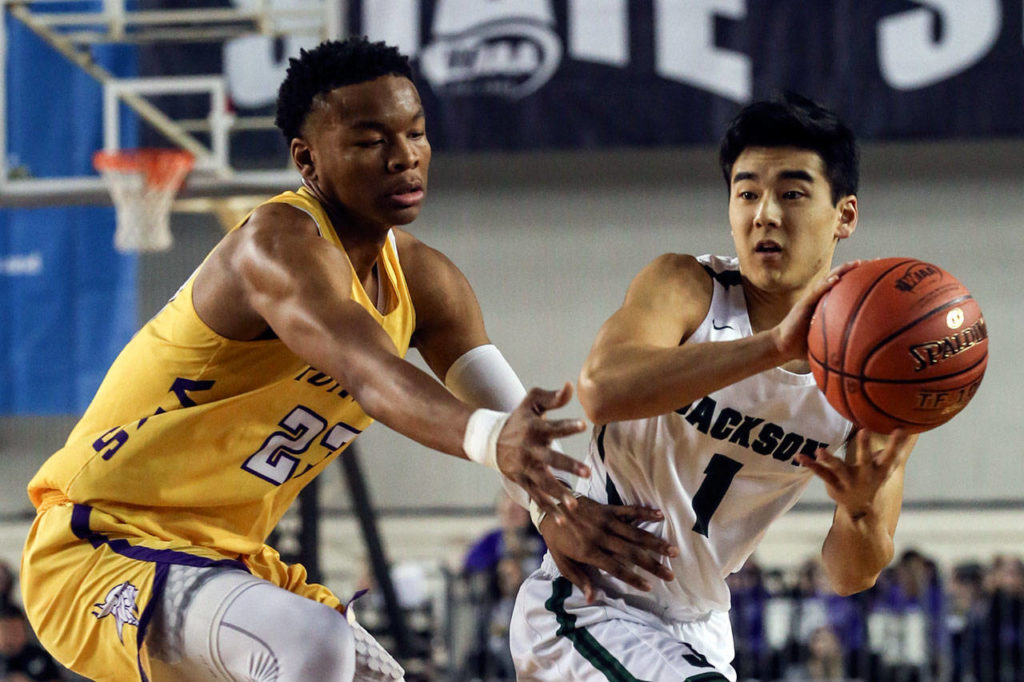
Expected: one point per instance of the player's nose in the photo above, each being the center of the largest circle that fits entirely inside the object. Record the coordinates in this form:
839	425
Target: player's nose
767	213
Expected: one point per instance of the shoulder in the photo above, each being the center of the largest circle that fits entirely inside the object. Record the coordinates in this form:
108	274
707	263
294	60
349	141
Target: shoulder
413	252
278	220
680	266
424	266
274	232
674	274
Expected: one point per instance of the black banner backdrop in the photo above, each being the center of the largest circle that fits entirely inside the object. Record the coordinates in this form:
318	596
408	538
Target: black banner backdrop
567	74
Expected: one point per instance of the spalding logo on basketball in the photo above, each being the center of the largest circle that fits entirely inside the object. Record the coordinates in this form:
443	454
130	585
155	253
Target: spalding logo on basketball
898	342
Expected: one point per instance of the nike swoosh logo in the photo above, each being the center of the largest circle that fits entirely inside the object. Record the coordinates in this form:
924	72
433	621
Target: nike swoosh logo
724	326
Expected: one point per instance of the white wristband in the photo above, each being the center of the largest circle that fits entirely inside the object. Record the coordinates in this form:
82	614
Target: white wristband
536	513
481	440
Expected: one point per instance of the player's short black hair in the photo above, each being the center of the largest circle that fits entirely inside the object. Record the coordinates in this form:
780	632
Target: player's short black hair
792	120
327	66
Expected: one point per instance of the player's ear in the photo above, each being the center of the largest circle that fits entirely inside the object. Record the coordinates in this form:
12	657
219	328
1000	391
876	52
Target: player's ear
847	220
302	157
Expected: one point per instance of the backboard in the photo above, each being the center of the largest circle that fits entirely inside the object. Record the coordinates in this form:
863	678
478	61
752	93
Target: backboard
261	34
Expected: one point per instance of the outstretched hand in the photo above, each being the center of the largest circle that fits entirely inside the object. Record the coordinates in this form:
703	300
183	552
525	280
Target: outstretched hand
606	537
524	451
791	333
854	484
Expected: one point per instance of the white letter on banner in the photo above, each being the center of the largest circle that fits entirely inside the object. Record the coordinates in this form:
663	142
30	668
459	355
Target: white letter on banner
910	57
252	73
599	31
685	50
396	22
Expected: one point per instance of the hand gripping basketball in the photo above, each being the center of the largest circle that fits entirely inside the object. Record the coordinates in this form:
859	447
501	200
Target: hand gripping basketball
791	333
524	453
898	343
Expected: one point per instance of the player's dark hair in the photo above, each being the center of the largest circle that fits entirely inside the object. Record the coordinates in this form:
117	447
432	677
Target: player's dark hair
792	120
331	65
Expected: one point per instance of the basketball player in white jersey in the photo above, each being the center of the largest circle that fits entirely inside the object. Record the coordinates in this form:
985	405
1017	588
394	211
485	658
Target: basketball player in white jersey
704	407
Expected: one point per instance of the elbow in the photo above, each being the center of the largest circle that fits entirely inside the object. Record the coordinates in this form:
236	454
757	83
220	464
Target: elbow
595	399
847	587
848	579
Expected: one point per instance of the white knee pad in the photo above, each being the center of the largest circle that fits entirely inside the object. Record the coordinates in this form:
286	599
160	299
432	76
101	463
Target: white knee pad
241	628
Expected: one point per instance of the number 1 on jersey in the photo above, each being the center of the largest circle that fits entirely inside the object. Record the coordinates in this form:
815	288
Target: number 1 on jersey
718	475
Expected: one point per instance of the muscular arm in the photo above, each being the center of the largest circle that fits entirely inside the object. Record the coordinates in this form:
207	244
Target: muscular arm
277	271
637	367
868	491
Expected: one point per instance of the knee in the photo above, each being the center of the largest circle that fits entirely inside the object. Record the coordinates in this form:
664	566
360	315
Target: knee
327	645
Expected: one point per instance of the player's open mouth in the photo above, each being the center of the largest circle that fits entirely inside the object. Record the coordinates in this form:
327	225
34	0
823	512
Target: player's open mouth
767	247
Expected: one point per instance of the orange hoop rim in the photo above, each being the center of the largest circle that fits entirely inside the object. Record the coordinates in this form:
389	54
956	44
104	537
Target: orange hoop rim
161	167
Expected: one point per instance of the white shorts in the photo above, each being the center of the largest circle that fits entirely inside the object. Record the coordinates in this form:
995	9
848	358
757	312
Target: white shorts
557	637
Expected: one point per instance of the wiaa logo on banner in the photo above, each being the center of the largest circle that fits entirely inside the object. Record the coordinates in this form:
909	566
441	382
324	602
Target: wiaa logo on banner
491	49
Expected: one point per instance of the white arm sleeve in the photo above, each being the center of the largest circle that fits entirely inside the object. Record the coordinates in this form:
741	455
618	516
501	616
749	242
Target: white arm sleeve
481	377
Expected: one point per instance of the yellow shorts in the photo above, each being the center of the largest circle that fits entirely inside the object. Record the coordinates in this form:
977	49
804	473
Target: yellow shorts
90	581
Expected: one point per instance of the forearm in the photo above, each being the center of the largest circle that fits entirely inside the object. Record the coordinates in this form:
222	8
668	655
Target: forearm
856	550
349	346
627	382
409	401
482	377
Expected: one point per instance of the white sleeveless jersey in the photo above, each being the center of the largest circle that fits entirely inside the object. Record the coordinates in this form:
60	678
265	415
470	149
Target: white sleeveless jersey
721	469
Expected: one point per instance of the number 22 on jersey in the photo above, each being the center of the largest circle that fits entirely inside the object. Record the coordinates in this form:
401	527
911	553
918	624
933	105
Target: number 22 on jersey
280	455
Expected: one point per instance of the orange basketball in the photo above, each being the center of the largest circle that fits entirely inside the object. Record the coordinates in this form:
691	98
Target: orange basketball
898	342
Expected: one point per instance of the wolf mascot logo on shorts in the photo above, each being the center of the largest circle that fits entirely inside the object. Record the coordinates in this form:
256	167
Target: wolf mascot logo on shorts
120	601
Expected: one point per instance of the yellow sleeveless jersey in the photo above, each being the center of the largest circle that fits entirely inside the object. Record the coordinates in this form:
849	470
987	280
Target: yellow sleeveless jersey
198	438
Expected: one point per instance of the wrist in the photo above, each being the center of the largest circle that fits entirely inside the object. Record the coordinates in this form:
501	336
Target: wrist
859	514
776	352
480	441
537	515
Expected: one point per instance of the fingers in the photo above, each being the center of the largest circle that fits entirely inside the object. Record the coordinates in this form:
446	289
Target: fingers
624	571
548	492
824	465
647	561
898	440
832	278
840	270
540	400
620	547
577	574
644	540
559	428
564	462
630	513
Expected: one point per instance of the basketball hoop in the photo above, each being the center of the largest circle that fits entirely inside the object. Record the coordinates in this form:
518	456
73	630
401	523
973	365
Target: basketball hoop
142	183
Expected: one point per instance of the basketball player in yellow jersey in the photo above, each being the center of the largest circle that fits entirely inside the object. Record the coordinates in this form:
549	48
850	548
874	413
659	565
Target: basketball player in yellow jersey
147	558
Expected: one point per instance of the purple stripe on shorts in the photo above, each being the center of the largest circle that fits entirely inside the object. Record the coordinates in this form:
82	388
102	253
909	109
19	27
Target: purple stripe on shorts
80	527
159	580
163	558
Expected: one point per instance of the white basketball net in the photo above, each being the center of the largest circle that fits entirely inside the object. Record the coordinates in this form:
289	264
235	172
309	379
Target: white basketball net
143	183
